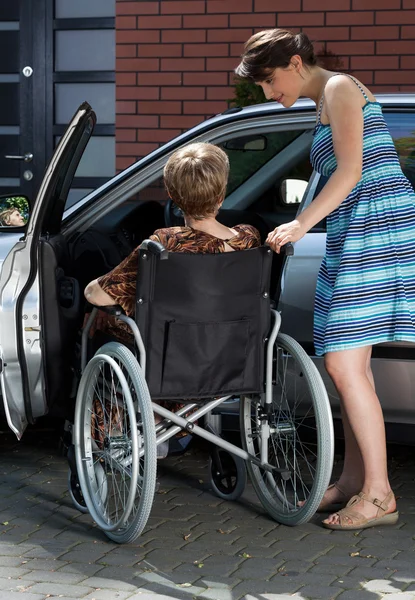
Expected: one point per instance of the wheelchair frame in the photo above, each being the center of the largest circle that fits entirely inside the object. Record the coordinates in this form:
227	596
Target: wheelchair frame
188	424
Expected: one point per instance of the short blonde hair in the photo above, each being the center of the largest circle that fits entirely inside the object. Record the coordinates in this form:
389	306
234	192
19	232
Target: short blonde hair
6	214
196	177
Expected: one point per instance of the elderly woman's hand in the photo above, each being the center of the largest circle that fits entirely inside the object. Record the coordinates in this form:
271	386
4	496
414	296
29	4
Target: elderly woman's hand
288	232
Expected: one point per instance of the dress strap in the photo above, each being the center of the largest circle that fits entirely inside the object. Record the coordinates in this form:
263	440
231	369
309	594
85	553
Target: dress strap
365	96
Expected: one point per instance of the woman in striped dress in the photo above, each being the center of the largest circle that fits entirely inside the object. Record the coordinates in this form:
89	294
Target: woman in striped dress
366	284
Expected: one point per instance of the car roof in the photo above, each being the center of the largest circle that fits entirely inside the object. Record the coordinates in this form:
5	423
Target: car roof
394	100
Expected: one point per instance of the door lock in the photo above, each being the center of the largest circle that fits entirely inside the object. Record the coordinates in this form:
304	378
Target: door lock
26	157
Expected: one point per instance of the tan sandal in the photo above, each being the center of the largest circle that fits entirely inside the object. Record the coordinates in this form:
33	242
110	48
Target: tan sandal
352	519
332	507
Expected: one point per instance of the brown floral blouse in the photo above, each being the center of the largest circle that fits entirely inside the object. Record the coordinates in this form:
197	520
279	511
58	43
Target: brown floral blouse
120	283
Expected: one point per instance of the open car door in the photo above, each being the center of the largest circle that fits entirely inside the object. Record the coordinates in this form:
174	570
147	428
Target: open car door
22	318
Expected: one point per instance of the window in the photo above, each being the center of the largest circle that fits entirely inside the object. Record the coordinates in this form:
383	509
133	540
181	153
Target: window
250	153
402	128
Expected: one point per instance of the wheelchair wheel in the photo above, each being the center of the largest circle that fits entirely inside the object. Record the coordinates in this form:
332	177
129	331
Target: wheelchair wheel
115	443
227	474
296	436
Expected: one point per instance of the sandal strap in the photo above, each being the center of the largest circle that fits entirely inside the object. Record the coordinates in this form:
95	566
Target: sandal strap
382	505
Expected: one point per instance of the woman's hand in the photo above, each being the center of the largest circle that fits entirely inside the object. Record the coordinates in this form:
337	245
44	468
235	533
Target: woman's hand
288	232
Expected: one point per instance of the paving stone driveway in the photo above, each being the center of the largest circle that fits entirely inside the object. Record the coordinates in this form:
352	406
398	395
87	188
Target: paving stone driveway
195	545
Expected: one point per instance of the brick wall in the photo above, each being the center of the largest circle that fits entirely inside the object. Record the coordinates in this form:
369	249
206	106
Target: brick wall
175	57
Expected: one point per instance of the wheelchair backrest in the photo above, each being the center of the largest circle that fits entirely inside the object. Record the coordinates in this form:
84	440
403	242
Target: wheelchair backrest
204	319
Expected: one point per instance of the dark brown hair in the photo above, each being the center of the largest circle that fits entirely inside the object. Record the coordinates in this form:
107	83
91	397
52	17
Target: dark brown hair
195	177
267	50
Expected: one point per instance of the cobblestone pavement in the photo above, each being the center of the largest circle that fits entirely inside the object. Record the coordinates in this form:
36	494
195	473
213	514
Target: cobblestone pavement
194	546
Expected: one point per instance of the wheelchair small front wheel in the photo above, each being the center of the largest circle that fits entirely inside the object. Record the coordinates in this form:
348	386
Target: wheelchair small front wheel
294	436
75	492
227	474
115	443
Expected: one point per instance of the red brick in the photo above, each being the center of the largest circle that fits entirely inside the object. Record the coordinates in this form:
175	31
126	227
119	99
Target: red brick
159	50
126	107
138	93
159	78
137	8
206	50
350	18
375	33
408	32
182	64
181	121
183	35
228	35
126	50
126	22
125	135
137	121
160	108
396	17
378	89
125	79
160	22
398	77
395	47
300	19
206	79
374	62
183	93
328	33
408	4
204	108
122	162
236	50
182	7
157	135
407	88
407	62
229	6
137	64
205	21
326	5
277	5
220	93
365	77
138	36
376	4
351	47
134	149
265	20
221	64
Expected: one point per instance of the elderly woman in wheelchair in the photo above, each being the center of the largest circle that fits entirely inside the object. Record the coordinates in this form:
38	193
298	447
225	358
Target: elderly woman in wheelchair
194	322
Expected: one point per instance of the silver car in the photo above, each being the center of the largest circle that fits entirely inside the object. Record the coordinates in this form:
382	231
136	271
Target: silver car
66	241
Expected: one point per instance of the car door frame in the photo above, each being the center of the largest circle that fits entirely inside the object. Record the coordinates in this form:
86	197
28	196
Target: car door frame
21	338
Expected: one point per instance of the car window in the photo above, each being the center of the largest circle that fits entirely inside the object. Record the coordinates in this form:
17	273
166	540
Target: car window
250	153
402	128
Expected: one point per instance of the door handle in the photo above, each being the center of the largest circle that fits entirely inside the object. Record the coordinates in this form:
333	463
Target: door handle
26	157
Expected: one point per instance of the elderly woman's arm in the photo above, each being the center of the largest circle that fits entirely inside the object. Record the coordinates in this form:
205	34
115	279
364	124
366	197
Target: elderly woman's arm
97	296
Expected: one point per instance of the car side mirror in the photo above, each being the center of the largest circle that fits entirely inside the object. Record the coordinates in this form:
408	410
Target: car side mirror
14	212
292	190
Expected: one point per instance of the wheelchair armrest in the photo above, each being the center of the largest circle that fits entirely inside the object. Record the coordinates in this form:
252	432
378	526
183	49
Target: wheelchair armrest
155	248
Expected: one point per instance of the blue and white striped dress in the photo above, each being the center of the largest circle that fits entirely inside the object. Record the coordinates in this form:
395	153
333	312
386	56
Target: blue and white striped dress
366	285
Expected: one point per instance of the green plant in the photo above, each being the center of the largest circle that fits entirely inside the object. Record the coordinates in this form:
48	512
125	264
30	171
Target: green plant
18	202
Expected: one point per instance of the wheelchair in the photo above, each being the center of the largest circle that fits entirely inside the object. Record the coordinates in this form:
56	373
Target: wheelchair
205	331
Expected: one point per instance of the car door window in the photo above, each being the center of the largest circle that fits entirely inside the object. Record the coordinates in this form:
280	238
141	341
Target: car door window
402	128
250	153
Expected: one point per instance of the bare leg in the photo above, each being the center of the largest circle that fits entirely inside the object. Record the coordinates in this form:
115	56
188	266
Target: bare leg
364	426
